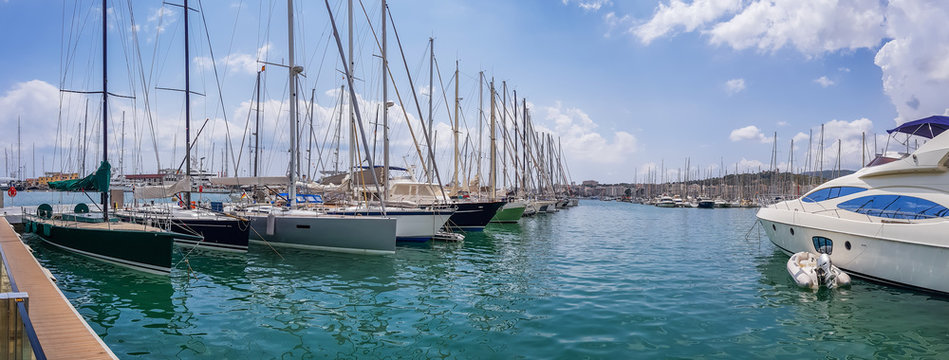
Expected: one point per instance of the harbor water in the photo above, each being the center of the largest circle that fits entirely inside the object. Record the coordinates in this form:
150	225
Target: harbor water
602	280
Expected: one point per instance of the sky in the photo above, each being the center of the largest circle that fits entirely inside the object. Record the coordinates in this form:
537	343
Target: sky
626	87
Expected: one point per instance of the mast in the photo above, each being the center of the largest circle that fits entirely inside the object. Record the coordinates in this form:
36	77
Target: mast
385	109
187	111
492	178
19	165
517	180
504	135
309	150
351	67
292	192
84	145
454	180
524	145
480	125
431	96
105	105
122	155
257	126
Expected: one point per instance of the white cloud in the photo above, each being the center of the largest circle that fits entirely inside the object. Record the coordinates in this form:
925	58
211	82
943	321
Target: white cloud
910	37
589	5
734	86
745	165
782	123
245	63
688	17
915	62
749	132
823	81
581	141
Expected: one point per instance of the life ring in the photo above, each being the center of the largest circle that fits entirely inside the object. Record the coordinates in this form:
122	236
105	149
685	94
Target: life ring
11	191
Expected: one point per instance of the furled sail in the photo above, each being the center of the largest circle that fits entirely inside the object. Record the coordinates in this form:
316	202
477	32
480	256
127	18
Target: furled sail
162	191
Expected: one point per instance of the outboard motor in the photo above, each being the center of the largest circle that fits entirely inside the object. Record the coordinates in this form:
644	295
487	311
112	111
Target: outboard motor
825	271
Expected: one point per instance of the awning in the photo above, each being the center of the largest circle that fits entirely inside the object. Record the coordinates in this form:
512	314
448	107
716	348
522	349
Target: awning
928	127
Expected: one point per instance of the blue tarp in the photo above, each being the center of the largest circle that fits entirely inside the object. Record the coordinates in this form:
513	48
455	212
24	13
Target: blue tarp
929	127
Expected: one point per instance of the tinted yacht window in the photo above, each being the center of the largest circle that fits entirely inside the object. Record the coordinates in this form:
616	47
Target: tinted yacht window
895	207
831	193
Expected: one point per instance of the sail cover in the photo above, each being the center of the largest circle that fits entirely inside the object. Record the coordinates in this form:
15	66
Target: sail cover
98	181
162	191
250	181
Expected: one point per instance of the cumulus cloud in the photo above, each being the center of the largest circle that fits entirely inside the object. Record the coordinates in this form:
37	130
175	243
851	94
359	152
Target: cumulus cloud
912	43
582	142
749	132
679	15
823	81
589	5
734	86
245	63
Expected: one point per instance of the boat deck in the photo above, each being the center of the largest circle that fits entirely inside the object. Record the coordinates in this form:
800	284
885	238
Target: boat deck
62	332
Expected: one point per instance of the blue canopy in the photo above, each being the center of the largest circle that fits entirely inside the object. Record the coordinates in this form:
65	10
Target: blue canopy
928	127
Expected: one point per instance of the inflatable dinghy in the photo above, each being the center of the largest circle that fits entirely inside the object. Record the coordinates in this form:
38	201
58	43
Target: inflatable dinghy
812	271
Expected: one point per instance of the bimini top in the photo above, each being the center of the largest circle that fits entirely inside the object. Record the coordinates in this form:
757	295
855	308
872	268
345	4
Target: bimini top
928	127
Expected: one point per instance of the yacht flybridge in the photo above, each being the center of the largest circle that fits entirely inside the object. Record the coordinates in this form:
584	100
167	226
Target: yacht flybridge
886	222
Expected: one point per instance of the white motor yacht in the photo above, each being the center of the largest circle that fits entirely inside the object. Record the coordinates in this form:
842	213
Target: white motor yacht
886	222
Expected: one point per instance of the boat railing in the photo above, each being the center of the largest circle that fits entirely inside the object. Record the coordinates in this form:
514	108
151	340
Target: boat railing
19	336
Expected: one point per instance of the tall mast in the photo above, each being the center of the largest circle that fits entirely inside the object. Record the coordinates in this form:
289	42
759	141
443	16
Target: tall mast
352	121
293	108
385	109
524	146
187	111
122	155
480	125
105	105
84	145
492	178
257	127
431	96
504	135
514	140
309	150
454	178
19	165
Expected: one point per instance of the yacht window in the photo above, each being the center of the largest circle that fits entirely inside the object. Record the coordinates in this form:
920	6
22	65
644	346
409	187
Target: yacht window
823	245
895	207
831	193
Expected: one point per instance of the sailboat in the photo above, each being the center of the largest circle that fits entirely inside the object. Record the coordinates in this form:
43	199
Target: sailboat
98	236
289	226
218	230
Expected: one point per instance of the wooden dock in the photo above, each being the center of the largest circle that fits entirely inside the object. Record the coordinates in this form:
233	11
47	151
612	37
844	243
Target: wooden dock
62	332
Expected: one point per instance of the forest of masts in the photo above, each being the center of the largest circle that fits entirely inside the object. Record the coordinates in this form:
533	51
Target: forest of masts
778	181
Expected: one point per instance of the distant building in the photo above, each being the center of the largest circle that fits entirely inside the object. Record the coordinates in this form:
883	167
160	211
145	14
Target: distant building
591	183
56	176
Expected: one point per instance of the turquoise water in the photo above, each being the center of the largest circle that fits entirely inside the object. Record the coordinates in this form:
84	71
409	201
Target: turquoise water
602	280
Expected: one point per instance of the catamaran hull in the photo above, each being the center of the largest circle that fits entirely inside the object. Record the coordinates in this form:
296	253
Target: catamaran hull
358	235
411	226
140	250
874	248
473	216
219	234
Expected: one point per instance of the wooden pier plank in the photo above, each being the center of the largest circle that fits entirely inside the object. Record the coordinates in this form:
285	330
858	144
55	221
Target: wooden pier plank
62	332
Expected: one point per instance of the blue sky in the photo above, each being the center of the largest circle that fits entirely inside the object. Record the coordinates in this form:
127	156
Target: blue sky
627	85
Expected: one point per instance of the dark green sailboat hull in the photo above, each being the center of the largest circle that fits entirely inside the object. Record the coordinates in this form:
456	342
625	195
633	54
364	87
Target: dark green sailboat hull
147	251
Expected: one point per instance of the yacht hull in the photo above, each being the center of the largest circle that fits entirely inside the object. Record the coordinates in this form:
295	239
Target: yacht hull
411	226
510	213
148	251
895	253
359	235
224	234
474	216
